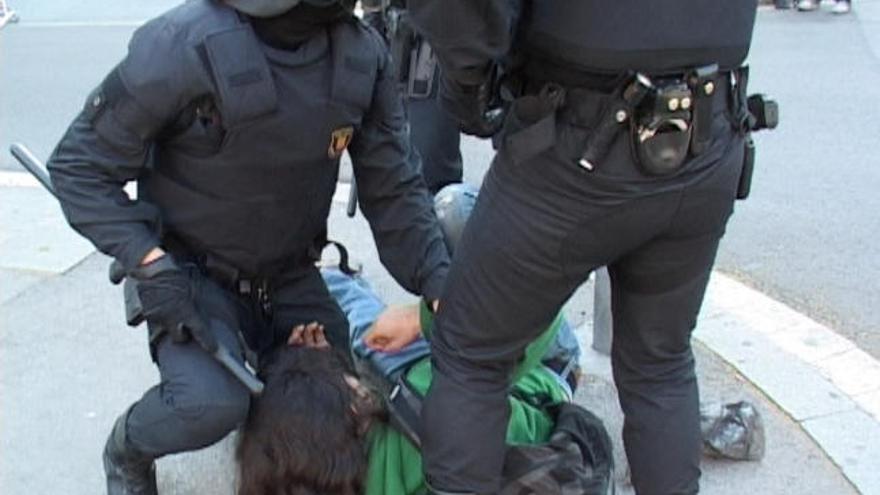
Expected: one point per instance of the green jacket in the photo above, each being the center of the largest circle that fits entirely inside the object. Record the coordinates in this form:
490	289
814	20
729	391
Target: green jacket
395	466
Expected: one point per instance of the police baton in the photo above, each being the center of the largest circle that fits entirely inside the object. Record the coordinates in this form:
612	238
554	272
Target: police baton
351	207
32	165
611	121
118	274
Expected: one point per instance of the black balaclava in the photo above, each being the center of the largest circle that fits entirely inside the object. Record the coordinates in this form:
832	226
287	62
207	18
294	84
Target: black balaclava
290	29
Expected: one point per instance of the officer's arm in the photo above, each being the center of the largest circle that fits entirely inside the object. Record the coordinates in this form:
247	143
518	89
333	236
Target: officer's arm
108	143
467	35
393	195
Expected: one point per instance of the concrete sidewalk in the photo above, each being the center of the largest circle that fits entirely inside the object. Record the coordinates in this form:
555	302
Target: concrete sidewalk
68	367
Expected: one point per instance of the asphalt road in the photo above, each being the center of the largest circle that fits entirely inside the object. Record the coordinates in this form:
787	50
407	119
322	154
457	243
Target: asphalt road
804	237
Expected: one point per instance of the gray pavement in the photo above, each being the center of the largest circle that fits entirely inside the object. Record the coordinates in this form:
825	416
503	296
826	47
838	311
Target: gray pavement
34	241
46	73
806	235
53	57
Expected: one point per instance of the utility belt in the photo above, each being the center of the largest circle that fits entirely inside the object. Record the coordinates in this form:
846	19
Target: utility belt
668	118
258	288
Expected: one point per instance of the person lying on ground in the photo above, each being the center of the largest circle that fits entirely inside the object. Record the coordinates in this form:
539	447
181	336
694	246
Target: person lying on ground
317	429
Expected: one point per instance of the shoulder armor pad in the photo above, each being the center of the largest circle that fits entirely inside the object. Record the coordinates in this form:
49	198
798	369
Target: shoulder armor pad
162	71
358	56
201	47
232	55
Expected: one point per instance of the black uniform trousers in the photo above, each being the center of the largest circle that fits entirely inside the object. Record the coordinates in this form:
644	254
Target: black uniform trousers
540	226
435	136
197	402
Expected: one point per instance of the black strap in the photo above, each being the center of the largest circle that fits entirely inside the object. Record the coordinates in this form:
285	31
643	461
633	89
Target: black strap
405	410
344	265
704	82
742	120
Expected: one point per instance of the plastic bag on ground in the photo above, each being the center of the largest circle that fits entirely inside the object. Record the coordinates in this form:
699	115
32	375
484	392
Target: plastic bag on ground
733	431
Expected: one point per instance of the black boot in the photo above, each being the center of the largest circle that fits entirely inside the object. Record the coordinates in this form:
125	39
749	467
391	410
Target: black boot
129	472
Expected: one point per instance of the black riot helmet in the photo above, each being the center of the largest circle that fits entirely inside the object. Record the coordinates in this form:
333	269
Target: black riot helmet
272	8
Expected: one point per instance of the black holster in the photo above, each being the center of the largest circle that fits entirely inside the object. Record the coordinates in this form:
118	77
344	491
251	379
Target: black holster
675	121
663	129
414	60
750	114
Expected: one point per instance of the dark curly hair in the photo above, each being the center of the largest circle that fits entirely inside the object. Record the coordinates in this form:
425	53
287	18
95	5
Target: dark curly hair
305	435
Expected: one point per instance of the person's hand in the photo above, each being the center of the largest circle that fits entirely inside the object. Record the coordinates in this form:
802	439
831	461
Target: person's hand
166	295
311	336
472	106
394	329
154	254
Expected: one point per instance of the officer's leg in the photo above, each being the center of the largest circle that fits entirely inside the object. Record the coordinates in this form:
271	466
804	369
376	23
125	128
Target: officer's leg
657	291
504	288
654	373
198	401
435	135
303	298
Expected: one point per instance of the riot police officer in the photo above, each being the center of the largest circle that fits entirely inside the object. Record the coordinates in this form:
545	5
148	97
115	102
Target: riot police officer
623	145
232	116
433	132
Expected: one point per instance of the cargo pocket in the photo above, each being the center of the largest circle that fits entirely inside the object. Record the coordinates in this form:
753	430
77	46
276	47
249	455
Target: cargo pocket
200	132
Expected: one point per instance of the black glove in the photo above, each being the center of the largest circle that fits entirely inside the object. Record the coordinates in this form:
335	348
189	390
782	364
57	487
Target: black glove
472	106
166	295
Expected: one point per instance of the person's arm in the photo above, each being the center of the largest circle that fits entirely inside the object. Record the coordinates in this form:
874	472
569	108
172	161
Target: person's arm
467	35
108	144
366	312
393	195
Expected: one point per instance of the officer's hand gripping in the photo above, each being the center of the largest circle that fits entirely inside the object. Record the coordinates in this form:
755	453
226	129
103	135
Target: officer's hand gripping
474	106
166	294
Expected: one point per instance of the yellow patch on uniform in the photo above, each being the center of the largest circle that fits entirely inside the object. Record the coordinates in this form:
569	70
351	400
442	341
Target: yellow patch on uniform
339	141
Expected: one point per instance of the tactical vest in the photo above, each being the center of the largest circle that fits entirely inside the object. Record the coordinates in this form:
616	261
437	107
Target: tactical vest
249	181
610	37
